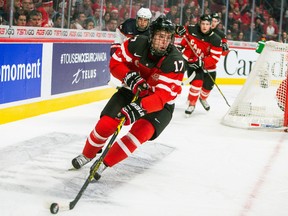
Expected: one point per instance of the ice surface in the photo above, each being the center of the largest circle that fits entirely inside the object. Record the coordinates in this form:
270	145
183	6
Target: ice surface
196	167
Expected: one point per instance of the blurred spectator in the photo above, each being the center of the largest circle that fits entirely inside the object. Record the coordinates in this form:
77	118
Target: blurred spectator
27	5
177	20
187	15
106	18
229	35
243	6
193	21
259	14
78	21
235	30
240	36
230	20
111	25
17	6
173	13
46	10
247	34
236	13
277	8
110	6
85	7
125	9
221	27
259	28
3	13
57	21
245	20
89	23
126	16
98	20
285	21
34	18
271	29
284	37
20	18
114	14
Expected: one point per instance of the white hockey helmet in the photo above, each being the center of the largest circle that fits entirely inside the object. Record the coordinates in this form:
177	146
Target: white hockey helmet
144	13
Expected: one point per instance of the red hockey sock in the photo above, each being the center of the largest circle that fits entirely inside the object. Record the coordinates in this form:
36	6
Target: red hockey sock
140	132
204	93
194	91
105	127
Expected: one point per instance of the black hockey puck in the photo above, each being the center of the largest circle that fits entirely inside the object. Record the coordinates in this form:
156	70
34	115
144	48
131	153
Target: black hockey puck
54	208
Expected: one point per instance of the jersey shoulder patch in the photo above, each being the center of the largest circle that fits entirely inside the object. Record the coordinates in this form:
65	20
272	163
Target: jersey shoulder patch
138	44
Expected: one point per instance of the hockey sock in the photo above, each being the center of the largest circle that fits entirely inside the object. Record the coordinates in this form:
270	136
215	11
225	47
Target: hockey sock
194	91
204	93
141	131
105	127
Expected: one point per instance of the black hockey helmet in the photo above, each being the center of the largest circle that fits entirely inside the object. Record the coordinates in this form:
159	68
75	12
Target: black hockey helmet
162	23
206	17
215	16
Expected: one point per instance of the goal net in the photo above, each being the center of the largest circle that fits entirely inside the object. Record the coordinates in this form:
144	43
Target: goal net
262	101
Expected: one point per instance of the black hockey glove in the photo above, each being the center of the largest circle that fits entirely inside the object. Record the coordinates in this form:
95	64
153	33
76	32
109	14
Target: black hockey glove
132	112
180	30
225	47
135	82
179	47
196	65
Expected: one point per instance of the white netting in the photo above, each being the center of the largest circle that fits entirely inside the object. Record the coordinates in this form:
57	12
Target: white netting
262	100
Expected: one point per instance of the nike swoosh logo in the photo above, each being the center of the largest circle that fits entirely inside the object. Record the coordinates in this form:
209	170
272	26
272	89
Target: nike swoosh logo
135	54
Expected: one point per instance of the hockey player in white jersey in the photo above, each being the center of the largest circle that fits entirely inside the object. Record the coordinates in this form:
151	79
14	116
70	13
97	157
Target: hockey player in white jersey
131	27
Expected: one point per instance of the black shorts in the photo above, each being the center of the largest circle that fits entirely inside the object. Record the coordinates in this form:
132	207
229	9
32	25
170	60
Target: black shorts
208	82
124	97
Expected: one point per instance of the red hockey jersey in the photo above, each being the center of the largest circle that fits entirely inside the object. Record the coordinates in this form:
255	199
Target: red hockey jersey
163	74
206	46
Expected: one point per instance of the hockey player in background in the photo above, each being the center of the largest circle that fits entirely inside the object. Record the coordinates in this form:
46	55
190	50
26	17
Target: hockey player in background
202	49
131	27
209	79
153	66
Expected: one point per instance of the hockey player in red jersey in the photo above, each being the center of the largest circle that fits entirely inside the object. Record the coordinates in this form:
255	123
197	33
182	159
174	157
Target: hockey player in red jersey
209	79
131	27
202	49
152	65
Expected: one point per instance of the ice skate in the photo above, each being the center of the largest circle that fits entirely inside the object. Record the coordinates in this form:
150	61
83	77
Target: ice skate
80	161
205	104
189	111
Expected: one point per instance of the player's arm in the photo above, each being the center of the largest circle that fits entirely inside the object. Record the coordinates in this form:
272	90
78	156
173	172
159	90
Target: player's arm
119	62
119	38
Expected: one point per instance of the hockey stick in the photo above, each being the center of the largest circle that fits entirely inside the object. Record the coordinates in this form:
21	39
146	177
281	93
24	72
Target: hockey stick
55	207
207	71
189	79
